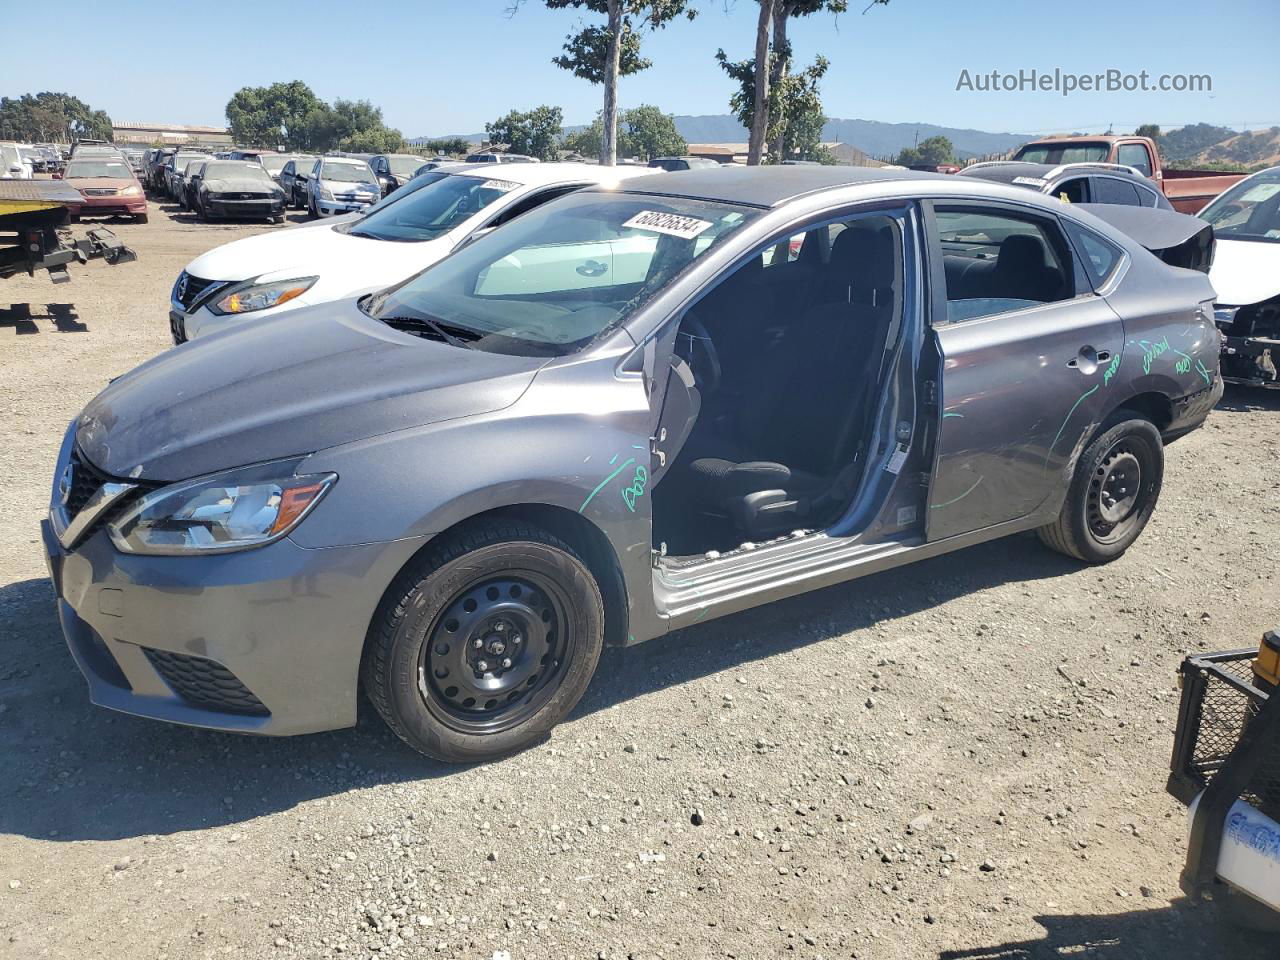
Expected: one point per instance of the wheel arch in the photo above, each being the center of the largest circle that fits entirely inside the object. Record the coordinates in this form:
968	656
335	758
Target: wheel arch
1155	406
577	531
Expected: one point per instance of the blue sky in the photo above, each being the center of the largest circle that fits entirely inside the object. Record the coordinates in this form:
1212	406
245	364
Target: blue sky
440	67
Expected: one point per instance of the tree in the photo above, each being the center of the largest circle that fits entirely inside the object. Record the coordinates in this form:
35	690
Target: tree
273	116
1151	130
535	133
930	152
773	49
644	132
795	116
446	146
51	116
601	53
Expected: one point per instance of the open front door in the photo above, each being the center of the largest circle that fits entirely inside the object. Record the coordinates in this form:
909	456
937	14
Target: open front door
674	400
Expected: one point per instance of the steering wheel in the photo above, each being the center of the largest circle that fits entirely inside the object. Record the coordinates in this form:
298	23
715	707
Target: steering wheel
695	345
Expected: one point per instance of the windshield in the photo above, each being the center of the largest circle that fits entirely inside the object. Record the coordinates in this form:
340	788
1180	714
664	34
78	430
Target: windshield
274	164
181	160
346	172
193	167
553	280
404	166
235	170
1248	211
439	203
82	169
1057	153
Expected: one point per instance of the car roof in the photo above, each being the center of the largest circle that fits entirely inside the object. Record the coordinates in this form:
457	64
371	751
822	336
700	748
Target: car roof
769	186
1004	171
541	174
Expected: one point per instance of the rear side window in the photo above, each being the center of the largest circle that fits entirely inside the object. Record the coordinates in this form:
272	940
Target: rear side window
1111	190
1073	191
1101	256
997	262
1135	155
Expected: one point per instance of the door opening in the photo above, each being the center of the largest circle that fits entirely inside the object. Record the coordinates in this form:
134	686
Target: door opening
787	360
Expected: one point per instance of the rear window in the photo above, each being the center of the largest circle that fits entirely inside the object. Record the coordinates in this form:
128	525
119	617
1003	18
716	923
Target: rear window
1101	256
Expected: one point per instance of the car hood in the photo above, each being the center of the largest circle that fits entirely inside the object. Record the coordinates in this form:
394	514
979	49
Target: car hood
319	250
1245	271
238	185
301	382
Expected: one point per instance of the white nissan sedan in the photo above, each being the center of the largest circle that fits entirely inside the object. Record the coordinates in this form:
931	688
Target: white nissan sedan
419	224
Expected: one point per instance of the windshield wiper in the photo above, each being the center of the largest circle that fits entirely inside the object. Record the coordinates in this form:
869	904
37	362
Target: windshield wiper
423	325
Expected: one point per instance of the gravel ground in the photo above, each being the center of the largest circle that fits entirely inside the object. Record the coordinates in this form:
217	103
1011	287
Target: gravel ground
961	759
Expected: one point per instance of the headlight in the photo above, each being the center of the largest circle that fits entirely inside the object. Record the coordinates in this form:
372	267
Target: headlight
130	191
237	510
261	296
325	193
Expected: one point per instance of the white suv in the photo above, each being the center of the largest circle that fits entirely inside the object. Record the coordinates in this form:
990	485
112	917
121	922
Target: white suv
341	185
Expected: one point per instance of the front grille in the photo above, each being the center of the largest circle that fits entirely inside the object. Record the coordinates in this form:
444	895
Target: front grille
99	191
85	481
241	196
205	683
190	288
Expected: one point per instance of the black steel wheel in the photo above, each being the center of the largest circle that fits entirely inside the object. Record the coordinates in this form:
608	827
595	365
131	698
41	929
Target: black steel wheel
1113	491
495	652
484	642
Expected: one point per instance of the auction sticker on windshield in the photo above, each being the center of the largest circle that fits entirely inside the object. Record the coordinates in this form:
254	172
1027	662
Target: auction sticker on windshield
503	185
671	224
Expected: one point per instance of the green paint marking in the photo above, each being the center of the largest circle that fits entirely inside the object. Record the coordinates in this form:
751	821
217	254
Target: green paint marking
935	506
602	483
1058	436
702	613
1114	368
958	415
614	460
1203	371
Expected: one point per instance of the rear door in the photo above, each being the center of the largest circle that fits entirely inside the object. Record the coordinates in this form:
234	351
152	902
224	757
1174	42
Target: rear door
1025	343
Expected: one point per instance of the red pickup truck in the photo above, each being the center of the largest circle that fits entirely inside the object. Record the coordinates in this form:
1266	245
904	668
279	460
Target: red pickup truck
1187	190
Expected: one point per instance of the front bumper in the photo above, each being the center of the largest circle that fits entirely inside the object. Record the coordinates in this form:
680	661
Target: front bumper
266	641
331	208
103	206
231	209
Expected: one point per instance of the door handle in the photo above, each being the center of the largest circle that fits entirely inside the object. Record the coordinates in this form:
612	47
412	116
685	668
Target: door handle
592	268
1086	359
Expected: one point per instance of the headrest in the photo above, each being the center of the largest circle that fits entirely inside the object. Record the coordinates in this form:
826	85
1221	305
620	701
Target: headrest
1020	252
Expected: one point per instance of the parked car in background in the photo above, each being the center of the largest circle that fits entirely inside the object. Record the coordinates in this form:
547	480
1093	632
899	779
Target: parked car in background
432	164
13	166
108	186
340	185
257	155
1082	182
1246	275
179	180
1187	190
683	163
275	163
293	181
490	156
234	189
191	183
34	157
153	176
394	170
455	492
411	229
174	167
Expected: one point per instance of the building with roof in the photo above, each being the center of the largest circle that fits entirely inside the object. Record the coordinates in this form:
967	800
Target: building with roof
171	133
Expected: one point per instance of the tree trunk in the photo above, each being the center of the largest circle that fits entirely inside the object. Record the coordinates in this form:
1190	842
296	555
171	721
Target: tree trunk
609	142
760	111
778	71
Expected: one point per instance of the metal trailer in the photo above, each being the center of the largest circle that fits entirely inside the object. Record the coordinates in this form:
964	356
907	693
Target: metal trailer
1226	766
32	215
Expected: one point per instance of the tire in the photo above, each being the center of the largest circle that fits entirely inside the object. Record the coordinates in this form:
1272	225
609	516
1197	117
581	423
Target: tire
532	604
312	212
141	218
1113	491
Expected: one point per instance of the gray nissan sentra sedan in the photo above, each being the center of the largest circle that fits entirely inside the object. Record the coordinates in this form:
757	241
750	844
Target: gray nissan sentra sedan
625	412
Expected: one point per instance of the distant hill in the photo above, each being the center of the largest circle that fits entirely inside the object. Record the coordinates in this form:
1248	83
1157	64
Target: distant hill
871	136
1258	149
